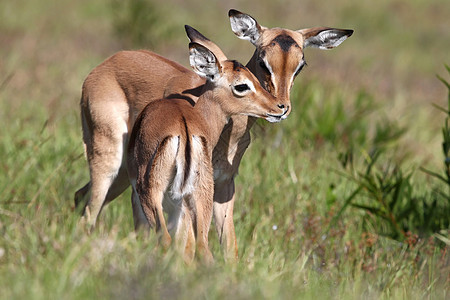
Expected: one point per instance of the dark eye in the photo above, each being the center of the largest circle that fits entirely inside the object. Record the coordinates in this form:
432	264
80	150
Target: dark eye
263	66
299	69
241	87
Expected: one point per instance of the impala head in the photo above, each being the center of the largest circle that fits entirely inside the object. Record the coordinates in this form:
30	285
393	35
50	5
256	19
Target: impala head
279	57
234	86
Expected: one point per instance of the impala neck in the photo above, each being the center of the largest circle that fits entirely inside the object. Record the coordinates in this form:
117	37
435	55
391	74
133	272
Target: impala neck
209	104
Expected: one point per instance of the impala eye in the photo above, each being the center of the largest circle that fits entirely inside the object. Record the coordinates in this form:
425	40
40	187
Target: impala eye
241	87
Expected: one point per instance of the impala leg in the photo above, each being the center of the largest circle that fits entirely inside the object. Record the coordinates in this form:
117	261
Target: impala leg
105	134
224	193
150	193
202	202
81	196
119	185
233	142
105	159
140	220
184	235
161	226
189	249
152	207
154	178
116	188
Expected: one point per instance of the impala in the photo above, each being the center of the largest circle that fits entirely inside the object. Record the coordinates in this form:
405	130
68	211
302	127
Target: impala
171	161
117	90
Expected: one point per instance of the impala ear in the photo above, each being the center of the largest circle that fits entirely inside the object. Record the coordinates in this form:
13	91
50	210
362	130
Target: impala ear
323	37
204	62
196	37
245	26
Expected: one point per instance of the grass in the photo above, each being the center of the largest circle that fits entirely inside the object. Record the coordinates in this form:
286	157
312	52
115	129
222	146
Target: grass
301	232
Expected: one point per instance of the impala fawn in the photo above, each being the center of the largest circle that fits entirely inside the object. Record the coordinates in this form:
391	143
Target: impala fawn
117	90
171	145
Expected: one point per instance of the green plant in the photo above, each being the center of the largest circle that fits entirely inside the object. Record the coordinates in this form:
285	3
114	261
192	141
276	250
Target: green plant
392	204
388	195
445	147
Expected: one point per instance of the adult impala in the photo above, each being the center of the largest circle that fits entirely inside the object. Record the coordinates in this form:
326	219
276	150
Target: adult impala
170	163
117	90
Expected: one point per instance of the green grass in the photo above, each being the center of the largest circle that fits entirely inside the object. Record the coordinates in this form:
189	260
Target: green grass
301	233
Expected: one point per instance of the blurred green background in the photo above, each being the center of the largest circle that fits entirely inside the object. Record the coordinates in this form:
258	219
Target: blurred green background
341	200
48	47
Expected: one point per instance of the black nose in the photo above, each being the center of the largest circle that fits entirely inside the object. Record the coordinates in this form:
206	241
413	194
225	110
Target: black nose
280	106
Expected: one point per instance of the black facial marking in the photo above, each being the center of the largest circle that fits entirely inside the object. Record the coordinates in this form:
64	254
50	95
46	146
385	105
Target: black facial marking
285	42
237	65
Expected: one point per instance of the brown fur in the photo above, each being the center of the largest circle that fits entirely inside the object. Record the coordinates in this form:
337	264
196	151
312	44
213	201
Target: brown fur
117	90
153	163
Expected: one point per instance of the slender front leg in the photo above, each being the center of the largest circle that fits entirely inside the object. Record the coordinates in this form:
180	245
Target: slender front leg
227	156
224	193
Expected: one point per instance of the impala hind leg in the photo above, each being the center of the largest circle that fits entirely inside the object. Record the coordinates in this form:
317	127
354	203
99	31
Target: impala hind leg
152	184
139	218
118	186
152	207
201	207
105	133
104	151
104	163
184	235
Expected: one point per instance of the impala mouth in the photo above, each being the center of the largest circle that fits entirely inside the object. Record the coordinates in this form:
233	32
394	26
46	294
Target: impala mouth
277	118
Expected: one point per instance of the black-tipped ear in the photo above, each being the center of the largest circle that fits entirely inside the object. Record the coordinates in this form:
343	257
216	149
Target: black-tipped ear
204	62
194	35
244	26
233	12
324	38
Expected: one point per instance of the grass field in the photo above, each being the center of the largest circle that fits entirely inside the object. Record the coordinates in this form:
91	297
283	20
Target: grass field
338	201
